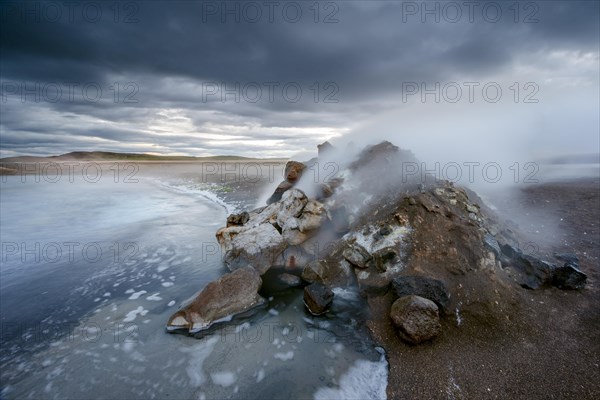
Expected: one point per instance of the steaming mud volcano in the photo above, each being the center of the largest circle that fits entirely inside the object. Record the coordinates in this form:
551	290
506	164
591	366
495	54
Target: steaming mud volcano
459	307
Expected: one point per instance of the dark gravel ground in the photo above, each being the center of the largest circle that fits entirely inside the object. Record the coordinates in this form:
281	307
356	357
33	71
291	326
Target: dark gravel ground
550	348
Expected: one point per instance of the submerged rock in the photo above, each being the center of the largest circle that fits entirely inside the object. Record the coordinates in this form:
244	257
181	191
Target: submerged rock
317	298
428	288
416	319
231	296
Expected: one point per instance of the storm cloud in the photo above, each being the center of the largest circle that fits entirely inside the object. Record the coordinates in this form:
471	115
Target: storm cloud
272	79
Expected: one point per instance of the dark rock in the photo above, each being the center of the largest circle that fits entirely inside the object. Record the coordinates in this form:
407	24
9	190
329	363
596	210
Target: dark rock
536	272
279	191
278	279
567	258
492	244
372	283
378	151
569	276
357	255
238	219
416	319
233	294
509	250
384	257
324	148
383	232
317	298
428	288
313	272
293	171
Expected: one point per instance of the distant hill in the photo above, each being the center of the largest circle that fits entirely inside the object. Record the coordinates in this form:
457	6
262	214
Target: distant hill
111	156
573	159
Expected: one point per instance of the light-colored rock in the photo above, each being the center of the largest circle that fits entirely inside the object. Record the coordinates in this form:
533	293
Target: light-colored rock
416	319
291	205
257	247
313	216
232	295
291	232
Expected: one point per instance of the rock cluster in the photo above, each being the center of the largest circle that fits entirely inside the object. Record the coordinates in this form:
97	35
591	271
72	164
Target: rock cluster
427	246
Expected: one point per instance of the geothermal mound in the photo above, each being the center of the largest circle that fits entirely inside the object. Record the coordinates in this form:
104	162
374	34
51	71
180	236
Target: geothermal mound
424	253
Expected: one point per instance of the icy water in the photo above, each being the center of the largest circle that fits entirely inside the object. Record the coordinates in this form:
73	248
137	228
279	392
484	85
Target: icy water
90	273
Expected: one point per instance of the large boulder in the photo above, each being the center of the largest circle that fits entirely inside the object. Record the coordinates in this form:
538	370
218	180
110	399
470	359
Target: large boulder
233	296
416	319
317	298
258	247
421	286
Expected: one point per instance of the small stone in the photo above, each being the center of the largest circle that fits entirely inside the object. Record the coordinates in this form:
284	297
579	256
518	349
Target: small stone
357	255
290	280
317	298
416	319
238	219
472	209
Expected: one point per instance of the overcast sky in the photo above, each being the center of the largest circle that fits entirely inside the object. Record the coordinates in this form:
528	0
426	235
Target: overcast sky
273	79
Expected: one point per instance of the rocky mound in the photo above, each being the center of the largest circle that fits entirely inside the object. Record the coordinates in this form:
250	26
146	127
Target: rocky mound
433	250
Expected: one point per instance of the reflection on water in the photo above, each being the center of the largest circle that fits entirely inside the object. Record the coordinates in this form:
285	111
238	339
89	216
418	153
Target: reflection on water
91	273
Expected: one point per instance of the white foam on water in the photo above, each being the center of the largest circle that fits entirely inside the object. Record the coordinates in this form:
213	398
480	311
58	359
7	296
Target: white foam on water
131	315
284	356
128	291
137	295
171	303
261	375
273	311
223	378
365	380
167	284
162	267
198	354
154	297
